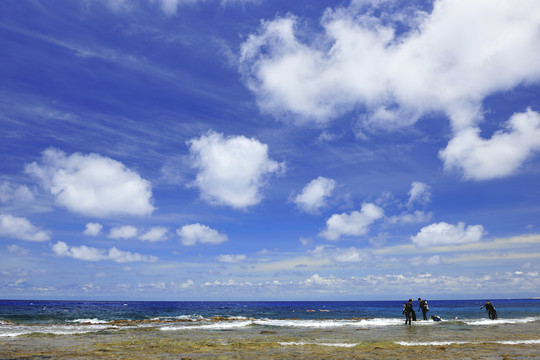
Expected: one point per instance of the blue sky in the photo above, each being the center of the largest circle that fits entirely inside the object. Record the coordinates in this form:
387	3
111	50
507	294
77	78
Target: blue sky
269	150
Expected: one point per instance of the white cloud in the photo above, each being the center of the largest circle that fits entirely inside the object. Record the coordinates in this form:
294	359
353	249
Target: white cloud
423	261
354	224
83	252
232	170
17	250
187	284
86	253
120	256
21	228
449	61
92	184
169	7
231	259
410	218
16	194
447	234
238	2
306	241
419	192
330	281
123	232
500	156
93	229
158	233
314	195
350	255
197	233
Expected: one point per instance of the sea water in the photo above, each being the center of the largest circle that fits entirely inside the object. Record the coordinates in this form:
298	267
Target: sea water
341	321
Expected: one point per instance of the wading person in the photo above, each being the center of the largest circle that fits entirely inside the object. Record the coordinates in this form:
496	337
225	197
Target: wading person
408	311
492	314
422	305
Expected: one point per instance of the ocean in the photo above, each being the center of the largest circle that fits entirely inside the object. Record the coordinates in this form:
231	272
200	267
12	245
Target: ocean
276	329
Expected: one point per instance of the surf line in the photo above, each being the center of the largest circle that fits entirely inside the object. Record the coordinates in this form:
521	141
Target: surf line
439	343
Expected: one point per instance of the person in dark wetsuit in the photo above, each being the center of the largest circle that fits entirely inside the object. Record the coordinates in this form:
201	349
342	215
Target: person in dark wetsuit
492	313
422	305
408	311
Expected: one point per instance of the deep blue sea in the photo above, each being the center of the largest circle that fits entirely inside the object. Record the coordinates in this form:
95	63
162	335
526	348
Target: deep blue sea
22	317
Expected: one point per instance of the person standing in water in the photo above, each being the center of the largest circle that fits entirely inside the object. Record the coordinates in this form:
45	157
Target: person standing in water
422	305
492	313
408	311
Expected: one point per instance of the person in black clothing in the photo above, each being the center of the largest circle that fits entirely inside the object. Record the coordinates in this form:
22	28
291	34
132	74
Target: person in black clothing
422	305
492	314
408	311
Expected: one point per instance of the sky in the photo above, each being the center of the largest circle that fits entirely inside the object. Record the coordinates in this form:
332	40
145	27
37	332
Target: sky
269	149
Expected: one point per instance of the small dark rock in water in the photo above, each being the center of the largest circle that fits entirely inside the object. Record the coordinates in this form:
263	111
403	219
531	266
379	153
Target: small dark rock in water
268	332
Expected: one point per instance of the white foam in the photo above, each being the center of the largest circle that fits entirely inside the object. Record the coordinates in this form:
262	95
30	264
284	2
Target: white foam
18	330
180	317
377	322
289	323
501	321
189	317
301	343
11	334
430	343
89	321
317	324
222	325
440	343
518	342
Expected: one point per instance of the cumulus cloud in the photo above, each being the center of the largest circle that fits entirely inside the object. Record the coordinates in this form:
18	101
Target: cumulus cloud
446	61
123	232
93	229
16	194
503	154
231	259
21	228
420	193
86	253
232	170
92	184
354	224
447	234
158	233
197	233
314	195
